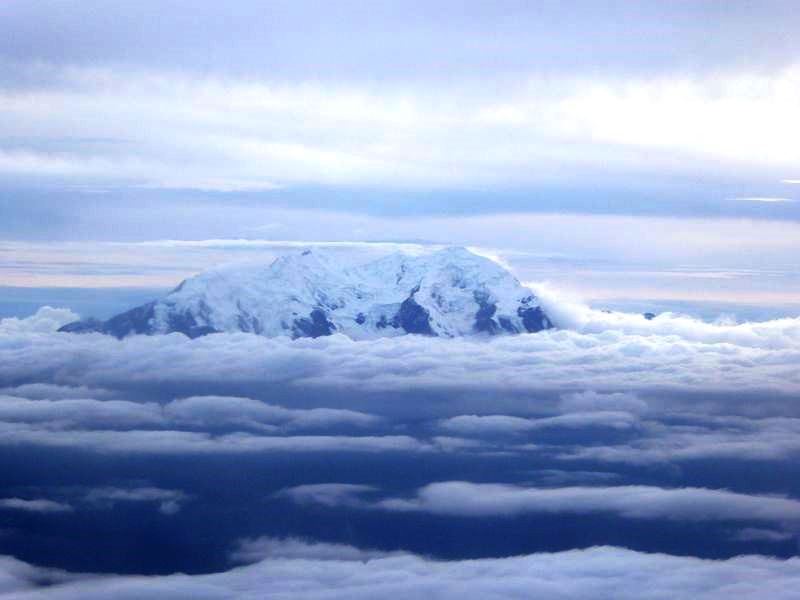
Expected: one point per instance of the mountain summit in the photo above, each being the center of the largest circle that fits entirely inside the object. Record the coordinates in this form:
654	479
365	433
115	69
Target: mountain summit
448	293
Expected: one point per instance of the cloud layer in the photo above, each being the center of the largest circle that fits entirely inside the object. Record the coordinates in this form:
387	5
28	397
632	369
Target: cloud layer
636	502
328	571
603	351
255	135
596	422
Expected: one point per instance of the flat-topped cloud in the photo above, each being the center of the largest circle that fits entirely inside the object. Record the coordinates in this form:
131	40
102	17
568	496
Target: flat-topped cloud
286	568
461	498
593	350
172	442
468	499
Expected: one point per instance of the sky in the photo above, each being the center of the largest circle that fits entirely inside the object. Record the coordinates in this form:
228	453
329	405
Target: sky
406	109
617	157
572	131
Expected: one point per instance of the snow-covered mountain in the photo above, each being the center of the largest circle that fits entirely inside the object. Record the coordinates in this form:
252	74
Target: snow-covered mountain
449	293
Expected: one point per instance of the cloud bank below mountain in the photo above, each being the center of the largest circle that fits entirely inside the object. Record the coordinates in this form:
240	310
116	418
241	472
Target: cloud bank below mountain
291	567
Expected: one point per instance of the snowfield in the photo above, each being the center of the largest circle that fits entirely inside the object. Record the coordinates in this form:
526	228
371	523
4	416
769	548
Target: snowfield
448	293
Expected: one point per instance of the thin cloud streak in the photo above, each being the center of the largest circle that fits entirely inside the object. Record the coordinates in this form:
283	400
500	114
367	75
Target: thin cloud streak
244	133
766	199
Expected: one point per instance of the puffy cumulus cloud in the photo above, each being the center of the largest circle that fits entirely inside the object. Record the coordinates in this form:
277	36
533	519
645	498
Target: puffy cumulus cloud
39	505
574	315
45	319
752	357
673	387
294	569
462	498
169	501
86	358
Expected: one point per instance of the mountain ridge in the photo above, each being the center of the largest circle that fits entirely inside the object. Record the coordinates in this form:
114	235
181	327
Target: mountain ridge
448	293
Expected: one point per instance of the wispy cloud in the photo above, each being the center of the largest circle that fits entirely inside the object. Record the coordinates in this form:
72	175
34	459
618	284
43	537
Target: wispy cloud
245	134
39	505
765	199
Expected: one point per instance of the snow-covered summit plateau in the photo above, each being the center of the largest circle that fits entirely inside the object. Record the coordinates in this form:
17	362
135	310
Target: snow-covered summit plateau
448	293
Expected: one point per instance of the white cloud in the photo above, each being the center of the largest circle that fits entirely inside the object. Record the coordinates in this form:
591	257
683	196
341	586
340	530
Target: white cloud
214	185
40	505
461	498
732	438
476	425
267	548
46	319
661	364
574	315
183	425
223	411
80	412
196	411
154	441
764	199
293	569
245	132
48	391
604	352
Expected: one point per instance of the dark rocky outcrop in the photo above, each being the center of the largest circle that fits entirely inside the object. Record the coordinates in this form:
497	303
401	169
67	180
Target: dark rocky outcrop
534	319
315	325
483	317
414	318
139	320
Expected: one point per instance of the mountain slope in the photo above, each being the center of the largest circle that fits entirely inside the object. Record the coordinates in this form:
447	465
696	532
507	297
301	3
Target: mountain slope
449	293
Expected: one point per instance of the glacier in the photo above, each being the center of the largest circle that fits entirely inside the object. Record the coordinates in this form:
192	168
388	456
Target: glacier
447	293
